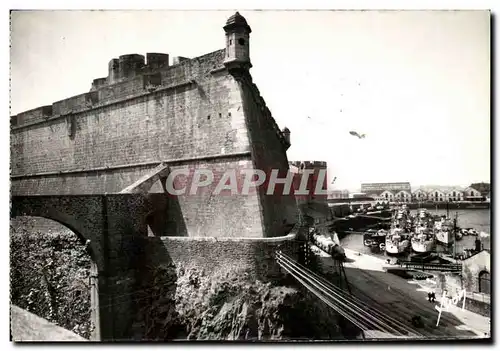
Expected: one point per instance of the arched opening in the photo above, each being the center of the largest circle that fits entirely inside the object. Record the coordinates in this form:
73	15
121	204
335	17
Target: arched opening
53	274
484	282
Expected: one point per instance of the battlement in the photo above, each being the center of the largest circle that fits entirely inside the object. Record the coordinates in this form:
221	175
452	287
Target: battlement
38	113
309	164
129	76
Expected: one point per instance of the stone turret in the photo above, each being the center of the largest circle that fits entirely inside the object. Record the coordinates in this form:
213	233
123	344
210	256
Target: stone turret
237	42
286	135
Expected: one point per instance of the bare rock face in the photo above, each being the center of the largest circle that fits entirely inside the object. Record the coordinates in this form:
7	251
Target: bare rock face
229	307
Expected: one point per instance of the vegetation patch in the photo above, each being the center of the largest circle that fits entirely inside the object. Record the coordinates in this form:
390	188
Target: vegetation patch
49	275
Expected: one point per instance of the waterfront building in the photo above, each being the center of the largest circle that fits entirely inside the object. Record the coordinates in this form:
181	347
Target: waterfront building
440	193
385	191
483	188
386	195
401	192
403	196
472	194
419	195
436	195
455	194
338	194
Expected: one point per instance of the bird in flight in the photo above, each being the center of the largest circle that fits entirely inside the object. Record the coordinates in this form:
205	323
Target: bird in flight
361	136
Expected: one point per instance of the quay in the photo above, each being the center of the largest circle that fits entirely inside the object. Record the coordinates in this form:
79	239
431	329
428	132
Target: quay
401	299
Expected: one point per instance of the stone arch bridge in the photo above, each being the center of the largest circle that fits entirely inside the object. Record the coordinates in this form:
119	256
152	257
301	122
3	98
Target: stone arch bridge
128	243
116	226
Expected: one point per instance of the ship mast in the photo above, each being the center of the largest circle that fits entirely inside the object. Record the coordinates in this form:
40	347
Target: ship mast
455	235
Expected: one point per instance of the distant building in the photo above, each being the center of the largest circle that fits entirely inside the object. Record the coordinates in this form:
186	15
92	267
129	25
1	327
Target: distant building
483	188
455	194
402	192
388	191
358	195
386	195
420	195
472	194
338	194
403	196
438	193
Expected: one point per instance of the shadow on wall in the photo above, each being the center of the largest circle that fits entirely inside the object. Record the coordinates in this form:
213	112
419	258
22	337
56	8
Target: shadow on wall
155	317
166	218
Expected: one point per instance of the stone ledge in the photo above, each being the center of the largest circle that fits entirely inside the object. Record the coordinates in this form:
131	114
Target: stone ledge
289	237
171	162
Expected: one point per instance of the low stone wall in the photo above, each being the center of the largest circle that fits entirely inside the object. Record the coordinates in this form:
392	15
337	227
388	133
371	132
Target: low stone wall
479	307
254	256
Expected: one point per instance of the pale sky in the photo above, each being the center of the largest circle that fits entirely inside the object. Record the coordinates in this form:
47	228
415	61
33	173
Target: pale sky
416	83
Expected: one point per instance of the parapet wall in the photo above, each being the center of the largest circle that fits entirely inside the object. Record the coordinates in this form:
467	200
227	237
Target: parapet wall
255	257
188	115
128	76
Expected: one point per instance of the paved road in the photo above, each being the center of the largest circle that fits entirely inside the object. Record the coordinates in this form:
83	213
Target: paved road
396	298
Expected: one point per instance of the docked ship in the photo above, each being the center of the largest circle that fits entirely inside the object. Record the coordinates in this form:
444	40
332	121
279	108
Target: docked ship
424	239
444	231
397	242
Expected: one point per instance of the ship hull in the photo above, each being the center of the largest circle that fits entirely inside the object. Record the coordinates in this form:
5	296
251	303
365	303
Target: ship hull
394	249
423	246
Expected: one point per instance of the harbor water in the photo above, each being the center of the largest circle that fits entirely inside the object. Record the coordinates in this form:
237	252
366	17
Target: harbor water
479	219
